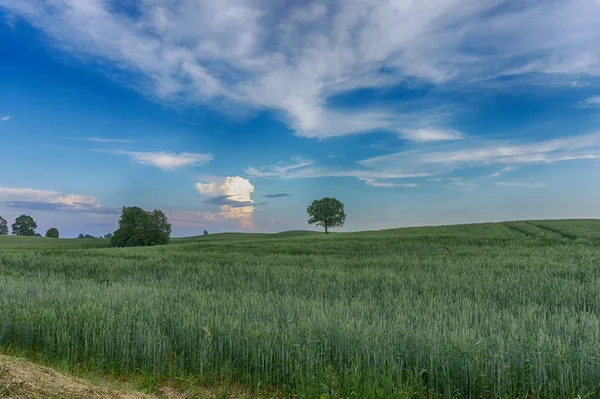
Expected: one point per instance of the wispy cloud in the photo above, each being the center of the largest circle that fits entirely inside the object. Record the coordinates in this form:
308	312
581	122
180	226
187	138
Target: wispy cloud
464	186
277	195
428	134
166	160
35	199
233	195
258	55
449	157
385	184
502	172
438	159
5	118
300	168
520	184
103	140
592	102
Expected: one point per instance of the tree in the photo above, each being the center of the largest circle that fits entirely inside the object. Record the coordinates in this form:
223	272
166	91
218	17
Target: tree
205	233
3	226
326	212
108	236
24	226
37	235
80	236
52	233
138	227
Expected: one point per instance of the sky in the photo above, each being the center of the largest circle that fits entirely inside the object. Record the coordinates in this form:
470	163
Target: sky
234	115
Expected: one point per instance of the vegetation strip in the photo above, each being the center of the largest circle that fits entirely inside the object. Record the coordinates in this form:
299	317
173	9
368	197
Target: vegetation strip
449	311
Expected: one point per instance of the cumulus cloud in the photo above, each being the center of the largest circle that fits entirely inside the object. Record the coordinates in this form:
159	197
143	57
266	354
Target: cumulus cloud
295	58
35	199
167	160
233	195
592	102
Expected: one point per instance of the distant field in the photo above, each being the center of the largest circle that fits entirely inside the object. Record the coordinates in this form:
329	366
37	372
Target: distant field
9	242
499	310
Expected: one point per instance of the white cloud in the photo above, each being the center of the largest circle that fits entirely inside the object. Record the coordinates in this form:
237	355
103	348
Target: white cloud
432	160
101	140
464	186
293	59
428	134
502	171
440	159
234	196
35	199
385	184
520	184
5	118
167	160
592	102
302	168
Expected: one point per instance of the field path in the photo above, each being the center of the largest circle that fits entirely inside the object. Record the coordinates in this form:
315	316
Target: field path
538	231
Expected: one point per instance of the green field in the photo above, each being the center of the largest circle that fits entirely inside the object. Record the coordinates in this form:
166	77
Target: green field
500	310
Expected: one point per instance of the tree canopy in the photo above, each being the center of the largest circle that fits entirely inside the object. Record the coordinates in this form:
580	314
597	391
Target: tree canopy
3	226
138	227
24	225
52	233
326	212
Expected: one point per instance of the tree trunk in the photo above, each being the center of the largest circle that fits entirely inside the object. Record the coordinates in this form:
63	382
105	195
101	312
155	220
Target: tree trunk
325	229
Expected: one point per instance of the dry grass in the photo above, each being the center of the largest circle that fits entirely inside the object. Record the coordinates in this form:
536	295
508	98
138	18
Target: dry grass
21	379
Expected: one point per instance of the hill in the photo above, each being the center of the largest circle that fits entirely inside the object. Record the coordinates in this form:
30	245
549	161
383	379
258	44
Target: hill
497	310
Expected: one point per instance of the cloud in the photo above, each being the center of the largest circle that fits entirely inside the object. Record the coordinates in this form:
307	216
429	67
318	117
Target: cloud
520	184
441	159
464	186
167	160
432	160
277	195
502	171
35	199
228	201
101	140
377	183
255	55
5	118
427	134
300	168
592	102
233	195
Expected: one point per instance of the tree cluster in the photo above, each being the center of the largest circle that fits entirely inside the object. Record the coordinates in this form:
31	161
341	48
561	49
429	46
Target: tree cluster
82	236
24	225
138	227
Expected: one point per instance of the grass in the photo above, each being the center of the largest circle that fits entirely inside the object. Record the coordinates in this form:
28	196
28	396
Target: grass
13	243
489	310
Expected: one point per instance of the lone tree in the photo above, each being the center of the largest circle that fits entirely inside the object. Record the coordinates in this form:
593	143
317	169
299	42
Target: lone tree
326	212
52	233
24	226
138	227
3	226
205	233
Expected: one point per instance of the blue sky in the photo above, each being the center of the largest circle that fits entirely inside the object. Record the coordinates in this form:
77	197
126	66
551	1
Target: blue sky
234	115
